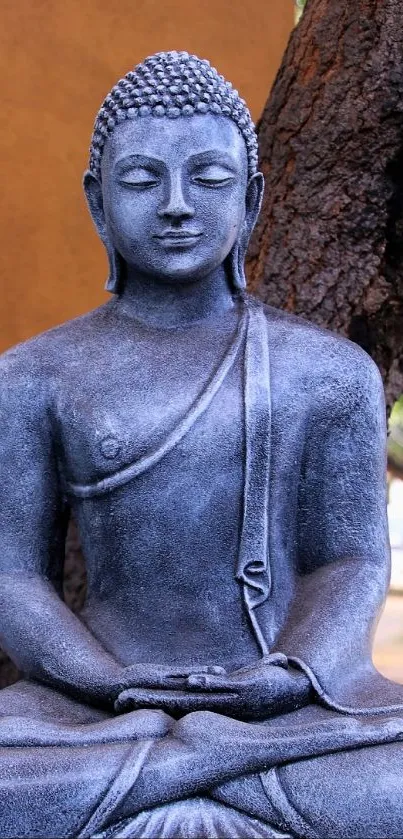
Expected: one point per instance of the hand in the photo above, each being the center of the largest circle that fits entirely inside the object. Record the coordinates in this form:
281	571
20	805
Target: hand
160	676
253	692
148	677
260	690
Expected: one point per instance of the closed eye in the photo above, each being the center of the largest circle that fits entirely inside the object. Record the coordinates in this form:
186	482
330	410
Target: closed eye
139	183
212	182
139	177
212	175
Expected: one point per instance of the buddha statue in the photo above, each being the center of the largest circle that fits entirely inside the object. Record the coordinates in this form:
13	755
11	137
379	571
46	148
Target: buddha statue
225	463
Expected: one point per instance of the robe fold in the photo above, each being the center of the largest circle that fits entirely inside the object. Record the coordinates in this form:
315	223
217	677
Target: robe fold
313	590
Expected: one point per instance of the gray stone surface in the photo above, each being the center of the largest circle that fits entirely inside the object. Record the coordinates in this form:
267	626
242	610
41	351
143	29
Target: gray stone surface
225	464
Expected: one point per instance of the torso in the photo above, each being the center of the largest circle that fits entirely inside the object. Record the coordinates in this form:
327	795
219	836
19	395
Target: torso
161	550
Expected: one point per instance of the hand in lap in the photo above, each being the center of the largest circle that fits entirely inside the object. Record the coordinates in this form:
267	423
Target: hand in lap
253	692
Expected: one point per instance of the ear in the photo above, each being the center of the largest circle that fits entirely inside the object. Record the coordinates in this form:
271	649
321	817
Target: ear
253	202
93	194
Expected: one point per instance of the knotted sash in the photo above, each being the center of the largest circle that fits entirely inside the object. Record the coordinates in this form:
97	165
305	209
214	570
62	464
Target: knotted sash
253	569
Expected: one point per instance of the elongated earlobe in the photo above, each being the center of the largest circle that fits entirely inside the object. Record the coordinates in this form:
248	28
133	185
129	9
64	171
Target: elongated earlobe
236	259
114	283
236	266
93	194
253	202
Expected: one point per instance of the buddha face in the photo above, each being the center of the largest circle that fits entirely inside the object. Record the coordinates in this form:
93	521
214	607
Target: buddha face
174	194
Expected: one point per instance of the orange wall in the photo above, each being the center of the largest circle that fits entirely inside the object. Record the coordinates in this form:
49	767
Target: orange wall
57	62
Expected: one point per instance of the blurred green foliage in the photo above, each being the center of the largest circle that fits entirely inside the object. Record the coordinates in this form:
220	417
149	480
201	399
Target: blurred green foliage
299	8
395	443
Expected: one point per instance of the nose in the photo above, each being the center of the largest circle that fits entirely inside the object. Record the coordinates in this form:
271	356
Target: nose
175	205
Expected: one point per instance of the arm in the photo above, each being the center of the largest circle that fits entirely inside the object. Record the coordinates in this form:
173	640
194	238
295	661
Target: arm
343	571
42	636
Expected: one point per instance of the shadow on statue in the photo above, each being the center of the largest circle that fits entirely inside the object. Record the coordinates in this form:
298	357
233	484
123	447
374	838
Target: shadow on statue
225	465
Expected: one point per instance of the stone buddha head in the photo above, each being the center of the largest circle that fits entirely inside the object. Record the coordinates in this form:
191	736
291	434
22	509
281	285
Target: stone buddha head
172	184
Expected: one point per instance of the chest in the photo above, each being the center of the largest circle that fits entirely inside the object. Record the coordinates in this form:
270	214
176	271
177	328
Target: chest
110	415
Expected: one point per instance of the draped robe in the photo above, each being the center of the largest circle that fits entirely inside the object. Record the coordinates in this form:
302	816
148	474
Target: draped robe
312	573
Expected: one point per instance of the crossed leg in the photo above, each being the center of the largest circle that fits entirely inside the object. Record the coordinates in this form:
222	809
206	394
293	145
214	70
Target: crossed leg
356	794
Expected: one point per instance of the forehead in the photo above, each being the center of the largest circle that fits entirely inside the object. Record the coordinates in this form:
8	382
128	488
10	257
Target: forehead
175	140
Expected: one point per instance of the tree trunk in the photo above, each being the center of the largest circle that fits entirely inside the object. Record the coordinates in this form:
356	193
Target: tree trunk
329	241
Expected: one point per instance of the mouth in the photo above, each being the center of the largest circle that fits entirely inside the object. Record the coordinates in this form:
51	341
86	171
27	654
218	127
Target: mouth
178	237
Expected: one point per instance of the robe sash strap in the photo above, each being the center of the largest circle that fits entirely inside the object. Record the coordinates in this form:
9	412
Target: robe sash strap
253	570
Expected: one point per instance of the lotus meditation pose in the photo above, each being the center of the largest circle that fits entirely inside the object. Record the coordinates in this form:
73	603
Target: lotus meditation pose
225	463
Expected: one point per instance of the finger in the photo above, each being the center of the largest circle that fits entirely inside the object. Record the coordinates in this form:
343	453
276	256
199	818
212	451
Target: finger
276	659
196	669
217	671
206	681
152	680
165	683
179	681
171	700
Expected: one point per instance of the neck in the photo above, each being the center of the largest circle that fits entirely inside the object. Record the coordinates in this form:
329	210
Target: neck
173	304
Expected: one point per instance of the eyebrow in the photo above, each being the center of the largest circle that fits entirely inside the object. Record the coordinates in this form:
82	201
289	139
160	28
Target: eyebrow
131	160
199	159
213	156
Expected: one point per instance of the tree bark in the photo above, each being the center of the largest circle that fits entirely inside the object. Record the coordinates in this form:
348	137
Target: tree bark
329	241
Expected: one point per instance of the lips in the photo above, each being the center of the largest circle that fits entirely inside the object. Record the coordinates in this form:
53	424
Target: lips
178	235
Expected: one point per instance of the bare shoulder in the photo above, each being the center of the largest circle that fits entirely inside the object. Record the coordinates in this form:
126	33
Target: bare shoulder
61	344
327	365
30	371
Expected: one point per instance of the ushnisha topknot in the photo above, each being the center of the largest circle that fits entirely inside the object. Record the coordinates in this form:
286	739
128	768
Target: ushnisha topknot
171	84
